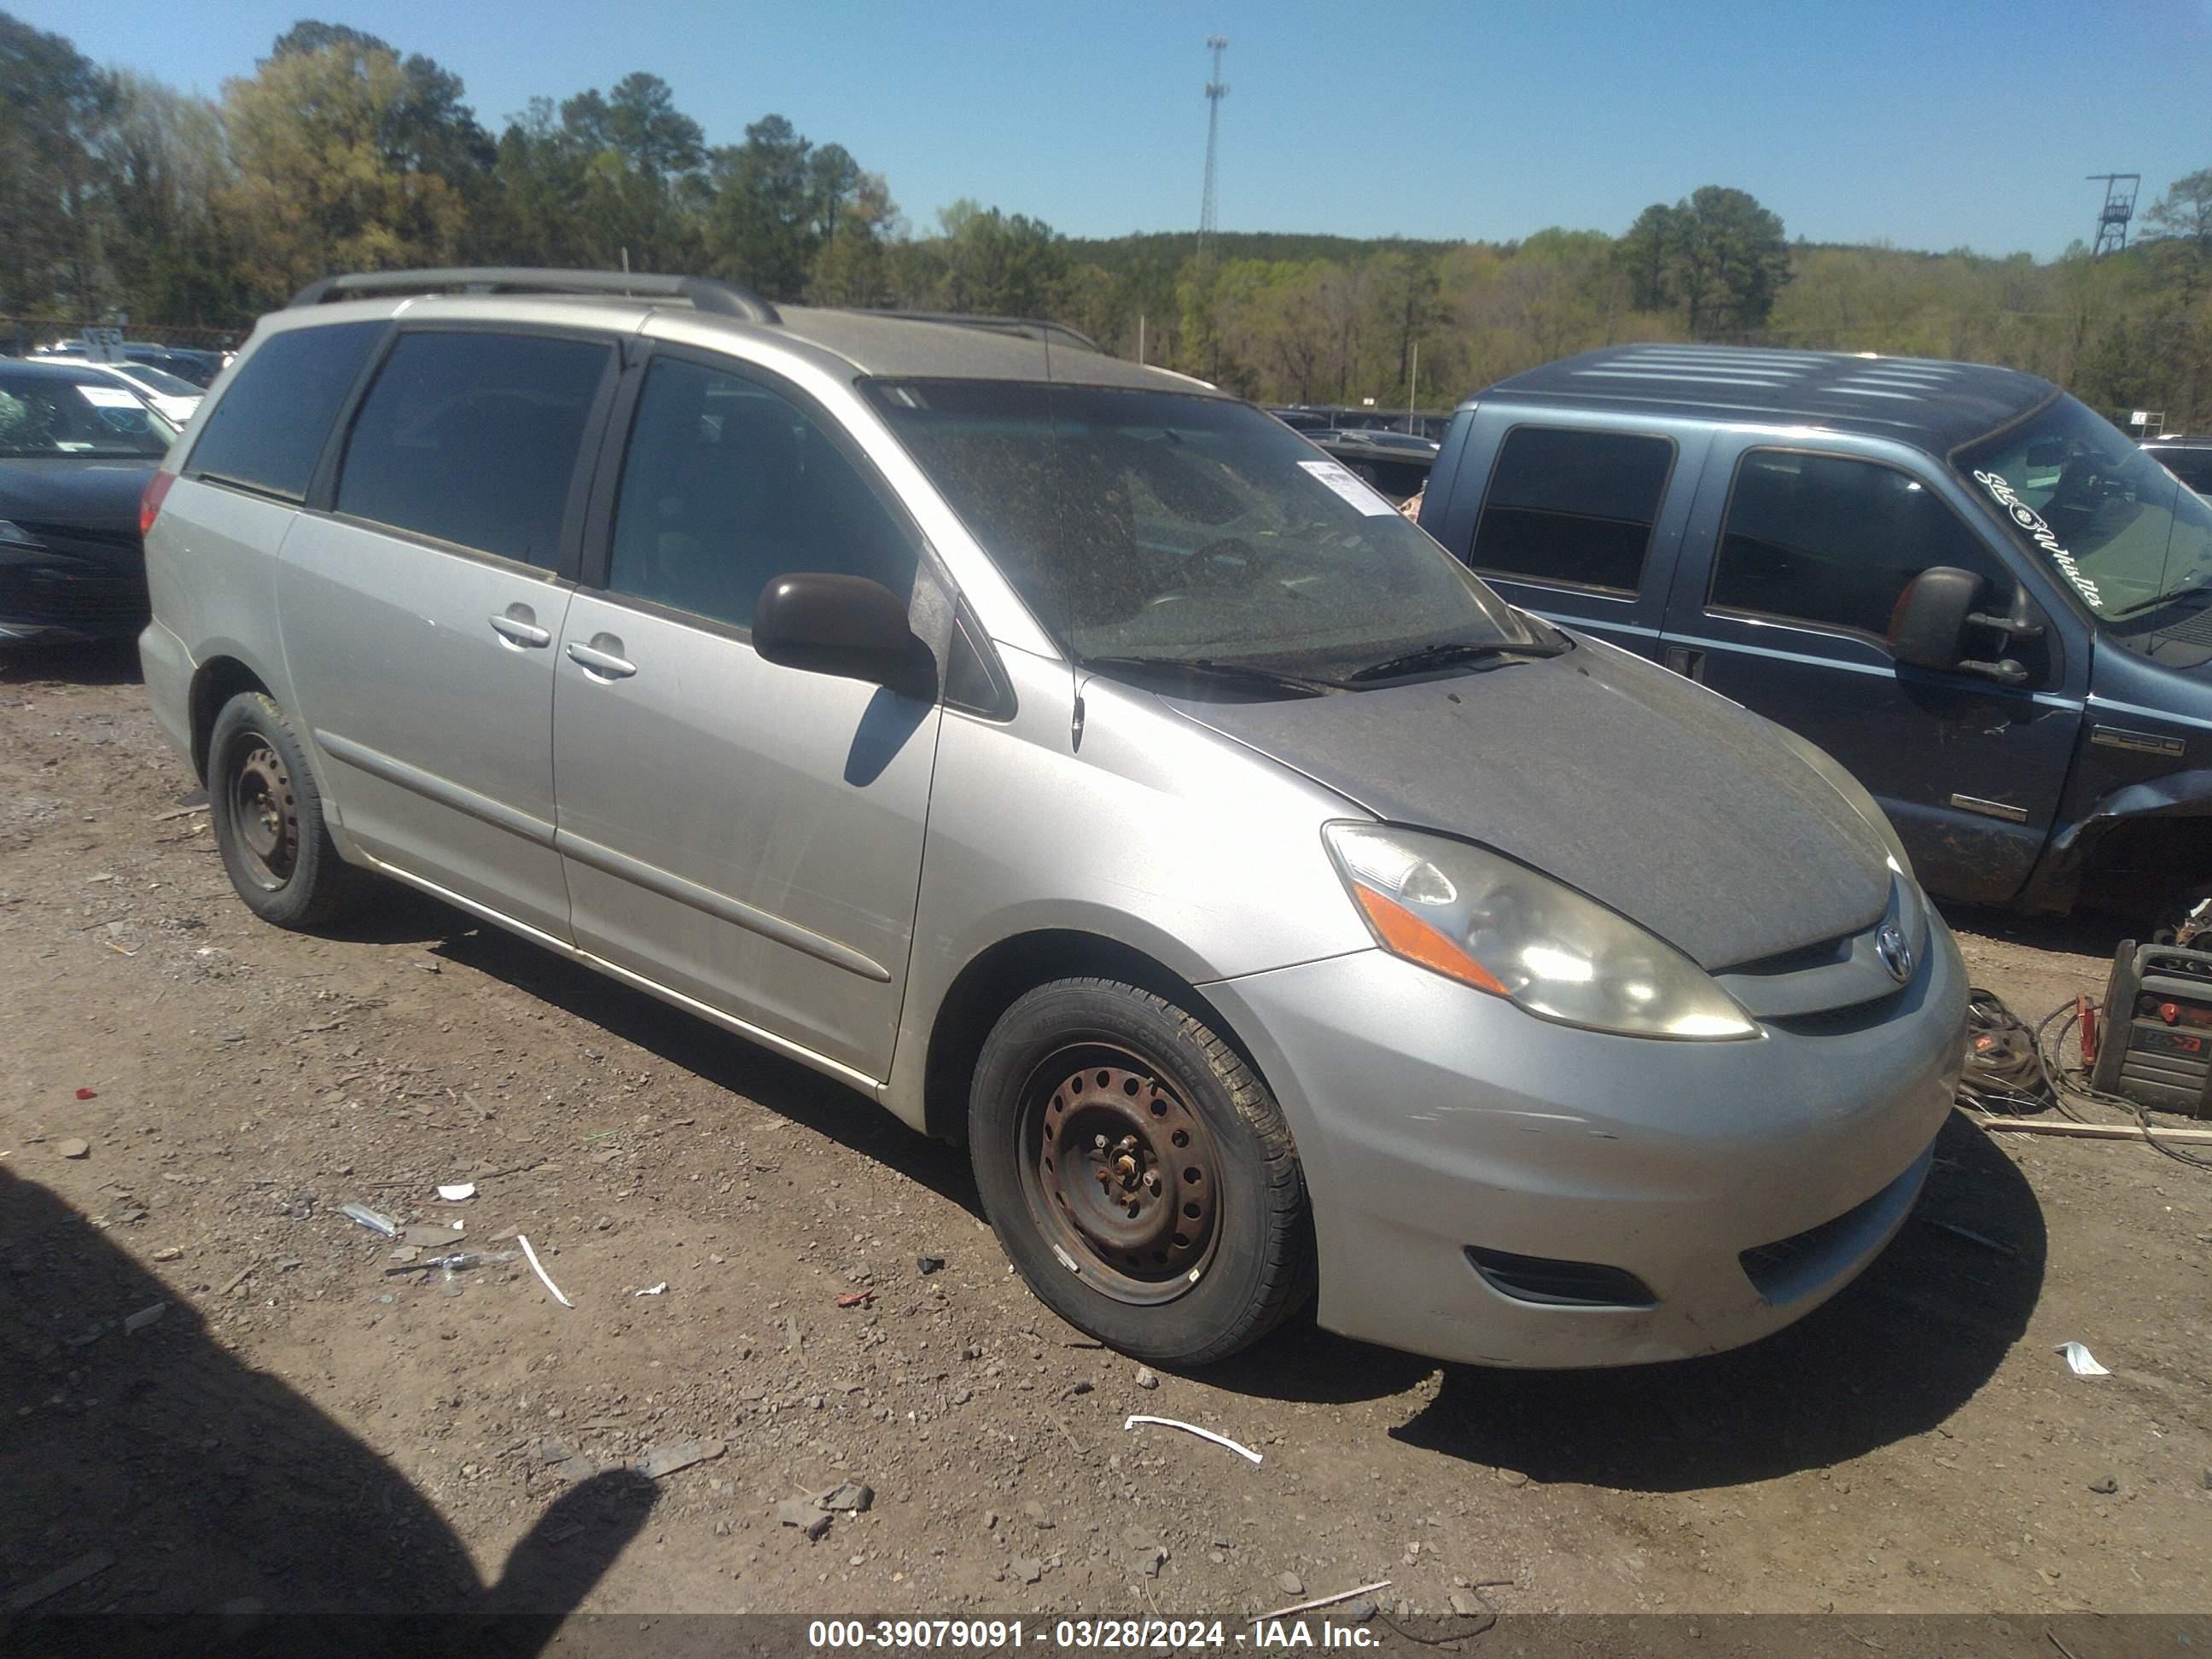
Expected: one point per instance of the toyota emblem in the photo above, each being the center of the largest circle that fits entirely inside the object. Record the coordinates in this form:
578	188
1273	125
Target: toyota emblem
1896	955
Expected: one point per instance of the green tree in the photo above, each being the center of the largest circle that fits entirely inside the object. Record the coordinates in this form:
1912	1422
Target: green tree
164	162
425	127
1729	263
54	103
321	186
998	264
1645	254
763	229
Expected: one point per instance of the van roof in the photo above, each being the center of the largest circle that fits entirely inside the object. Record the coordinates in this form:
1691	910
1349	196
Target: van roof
897	344
1929	404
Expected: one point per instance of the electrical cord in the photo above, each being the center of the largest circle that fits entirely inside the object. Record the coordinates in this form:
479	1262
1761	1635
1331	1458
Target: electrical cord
2013	1070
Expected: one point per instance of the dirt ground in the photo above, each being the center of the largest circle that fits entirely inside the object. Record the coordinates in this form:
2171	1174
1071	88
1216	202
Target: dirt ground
298	1429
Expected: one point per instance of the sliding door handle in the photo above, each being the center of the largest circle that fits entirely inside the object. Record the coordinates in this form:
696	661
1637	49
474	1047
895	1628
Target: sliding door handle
602	658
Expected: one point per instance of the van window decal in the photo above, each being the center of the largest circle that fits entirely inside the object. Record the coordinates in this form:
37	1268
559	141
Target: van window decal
2031	521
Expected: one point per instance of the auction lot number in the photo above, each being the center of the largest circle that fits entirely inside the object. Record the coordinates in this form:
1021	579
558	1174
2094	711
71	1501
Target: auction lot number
985	1634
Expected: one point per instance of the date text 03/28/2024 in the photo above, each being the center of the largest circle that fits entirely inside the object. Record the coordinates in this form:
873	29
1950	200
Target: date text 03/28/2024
1080	1635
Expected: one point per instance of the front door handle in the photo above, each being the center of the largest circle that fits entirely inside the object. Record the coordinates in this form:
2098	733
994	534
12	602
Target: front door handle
602	658
518	625
1690	665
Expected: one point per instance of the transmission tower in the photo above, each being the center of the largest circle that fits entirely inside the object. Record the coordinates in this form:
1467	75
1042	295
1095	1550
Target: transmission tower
2119	207
1216	90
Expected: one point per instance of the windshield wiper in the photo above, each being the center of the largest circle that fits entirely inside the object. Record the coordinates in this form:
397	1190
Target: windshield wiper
2179	596
1451	651
1207	667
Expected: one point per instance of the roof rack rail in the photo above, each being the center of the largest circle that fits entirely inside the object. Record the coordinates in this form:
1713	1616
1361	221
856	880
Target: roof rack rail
1029	328
704	292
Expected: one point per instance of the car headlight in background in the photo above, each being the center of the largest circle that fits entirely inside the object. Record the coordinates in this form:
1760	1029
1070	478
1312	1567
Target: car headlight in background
1499	927
1853	791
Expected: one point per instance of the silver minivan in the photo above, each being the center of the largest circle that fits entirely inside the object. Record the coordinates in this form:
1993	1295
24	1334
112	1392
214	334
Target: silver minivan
1076	762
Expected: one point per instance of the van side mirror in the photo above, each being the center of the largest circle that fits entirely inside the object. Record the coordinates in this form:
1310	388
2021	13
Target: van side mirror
1928	628
847	626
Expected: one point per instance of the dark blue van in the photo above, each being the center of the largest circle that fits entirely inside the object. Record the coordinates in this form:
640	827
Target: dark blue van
1970	589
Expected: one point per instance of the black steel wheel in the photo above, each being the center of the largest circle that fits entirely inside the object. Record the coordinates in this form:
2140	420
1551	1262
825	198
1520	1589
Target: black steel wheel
1141	1177
268	819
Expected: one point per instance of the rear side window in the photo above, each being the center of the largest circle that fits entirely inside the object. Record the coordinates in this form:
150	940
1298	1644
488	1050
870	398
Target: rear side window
472	439
2192	466
728	486
1575	507
1832	540
268	429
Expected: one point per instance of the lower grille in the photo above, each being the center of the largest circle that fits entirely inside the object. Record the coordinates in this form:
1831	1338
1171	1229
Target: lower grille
1559	1284
1784	1270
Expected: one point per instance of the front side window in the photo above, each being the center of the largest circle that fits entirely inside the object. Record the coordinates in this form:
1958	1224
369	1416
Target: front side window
1832	540
472	439
727	486
268	429
1575	507
1175	528
43	418
2108	520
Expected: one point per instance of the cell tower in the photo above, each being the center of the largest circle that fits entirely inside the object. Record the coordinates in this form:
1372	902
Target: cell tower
1216	90
2119	207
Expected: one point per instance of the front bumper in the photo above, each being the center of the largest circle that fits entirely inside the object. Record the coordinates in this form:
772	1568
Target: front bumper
1742	1183
71	600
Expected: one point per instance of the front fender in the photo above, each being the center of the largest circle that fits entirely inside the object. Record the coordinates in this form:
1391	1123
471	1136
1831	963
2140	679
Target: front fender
2073	845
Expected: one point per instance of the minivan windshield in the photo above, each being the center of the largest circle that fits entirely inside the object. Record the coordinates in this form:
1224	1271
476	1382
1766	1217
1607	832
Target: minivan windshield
1173	530
2118	528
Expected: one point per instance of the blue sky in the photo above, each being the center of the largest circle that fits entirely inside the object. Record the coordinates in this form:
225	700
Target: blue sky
1936	125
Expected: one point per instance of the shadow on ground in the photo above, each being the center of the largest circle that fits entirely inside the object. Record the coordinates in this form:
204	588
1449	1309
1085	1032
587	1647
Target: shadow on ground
2085	933
806	1096
1894	1355
172	1481
110	662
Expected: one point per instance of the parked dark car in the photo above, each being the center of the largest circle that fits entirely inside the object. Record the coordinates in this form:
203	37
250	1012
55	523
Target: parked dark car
76	451
1981	597
2189	460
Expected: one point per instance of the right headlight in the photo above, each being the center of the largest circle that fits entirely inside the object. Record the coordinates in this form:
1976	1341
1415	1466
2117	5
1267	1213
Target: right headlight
1501	927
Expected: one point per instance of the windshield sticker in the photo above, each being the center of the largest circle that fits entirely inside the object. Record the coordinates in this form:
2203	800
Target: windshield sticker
106	396
2031	521
1349	484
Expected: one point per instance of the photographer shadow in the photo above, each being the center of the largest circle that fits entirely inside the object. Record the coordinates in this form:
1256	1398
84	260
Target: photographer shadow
149	1476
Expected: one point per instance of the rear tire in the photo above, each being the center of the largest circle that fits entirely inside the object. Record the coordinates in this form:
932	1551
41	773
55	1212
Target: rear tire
268	819
1140	1175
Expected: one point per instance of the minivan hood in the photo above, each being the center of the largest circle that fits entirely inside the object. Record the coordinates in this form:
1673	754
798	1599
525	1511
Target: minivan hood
1670	805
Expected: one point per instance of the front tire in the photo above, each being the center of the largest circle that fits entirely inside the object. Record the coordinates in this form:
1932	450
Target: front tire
268	819
1141	1178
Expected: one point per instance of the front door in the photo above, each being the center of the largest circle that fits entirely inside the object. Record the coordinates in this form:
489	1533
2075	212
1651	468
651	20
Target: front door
1799	556
746	834
420	613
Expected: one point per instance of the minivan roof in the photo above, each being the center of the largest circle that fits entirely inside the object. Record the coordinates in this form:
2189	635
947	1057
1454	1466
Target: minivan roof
1929	404
902	345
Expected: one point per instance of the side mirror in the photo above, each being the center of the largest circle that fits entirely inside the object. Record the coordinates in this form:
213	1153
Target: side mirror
1929	626
847	626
